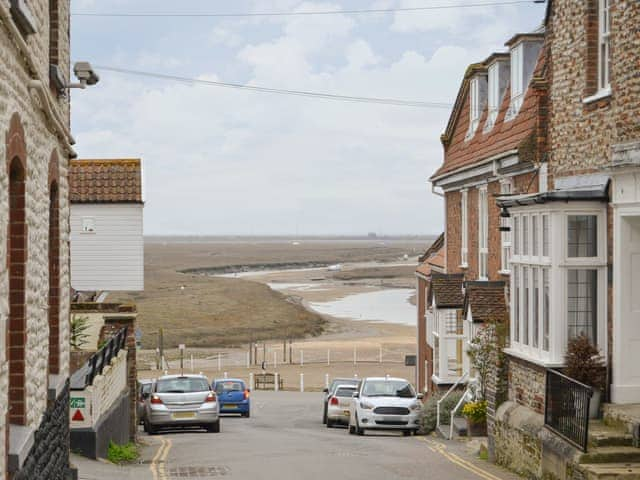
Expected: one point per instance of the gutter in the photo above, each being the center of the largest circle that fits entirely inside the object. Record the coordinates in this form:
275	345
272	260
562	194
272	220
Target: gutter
493	158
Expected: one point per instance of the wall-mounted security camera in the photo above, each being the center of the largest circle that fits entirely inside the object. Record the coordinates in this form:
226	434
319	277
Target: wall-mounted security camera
85	75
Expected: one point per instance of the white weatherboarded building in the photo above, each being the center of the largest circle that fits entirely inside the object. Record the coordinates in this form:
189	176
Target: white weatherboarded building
106	225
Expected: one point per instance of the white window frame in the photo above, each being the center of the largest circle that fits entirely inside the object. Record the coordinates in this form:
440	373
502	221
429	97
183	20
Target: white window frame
493	96
483	233
474	107
604	60
445	341
557	263
464	228
506	187
517	81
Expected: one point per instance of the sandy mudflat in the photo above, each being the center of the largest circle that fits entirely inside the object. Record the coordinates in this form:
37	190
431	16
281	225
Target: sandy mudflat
214	314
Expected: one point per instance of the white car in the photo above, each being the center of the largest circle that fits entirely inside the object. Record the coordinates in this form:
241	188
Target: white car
384	403
338	405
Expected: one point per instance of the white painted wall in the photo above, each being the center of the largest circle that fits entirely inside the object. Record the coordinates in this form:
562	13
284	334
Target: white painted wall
111	257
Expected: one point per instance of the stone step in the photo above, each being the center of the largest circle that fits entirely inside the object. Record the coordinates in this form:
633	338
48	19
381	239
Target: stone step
601	435
615	454
610	471
459	428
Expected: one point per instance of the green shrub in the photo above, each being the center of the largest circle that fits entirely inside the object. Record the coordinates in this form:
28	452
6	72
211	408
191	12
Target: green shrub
122	453
429	409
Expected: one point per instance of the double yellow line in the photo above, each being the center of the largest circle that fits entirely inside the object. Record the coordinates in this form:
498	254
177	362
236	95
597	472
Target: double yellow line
441	448
157	465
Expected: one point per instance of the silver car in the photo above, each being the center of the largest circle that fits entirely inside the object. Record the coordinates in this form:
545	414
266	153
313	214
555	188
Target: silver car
327	392
339	404
182	401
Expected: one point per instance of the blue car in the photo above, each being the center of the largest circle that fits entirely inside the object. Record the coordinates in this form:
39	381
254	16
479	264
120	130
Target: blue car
233	396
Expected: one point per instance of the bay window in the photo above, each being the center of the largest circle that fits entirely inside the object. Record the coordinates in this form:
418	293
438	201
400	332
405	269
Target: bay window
449	338
559	271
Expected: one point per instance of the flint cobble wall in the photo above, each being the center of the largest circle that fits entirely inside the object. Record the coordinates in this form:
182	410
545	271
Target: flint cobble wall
49	458
41	142
526	384
581	134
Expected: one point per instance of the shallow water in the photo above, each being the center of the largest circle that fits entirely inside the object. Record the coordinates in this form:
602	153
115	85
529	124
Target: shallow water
390	305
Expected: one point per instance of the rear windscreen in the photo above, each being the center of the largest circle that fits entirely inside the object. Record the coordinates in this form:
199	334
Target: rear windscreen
229	387
182	385
345	392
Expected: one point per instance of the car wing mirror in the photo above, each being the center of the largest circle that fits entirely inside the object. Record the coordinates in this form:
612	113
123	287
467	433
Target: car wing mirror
355	395
325	390
145	395
420	396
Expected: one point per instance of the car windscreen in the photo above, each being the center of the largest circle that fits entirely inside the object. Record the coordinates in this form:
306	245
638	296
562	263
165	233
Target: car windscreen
230	386
345	391
182	385
388	388
146	387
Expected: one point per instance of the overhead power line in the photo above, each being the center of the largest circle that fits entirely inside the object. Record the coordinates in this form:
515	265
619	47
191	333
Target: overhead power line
279	91
306	13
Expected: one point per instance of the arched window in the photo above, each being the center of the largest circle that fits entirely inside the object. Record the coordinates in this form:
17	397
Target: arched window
17	253
54	278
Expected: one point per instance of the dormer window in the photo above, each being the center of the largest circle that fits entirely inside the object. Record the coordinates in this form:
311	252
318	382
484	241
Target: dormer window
477	94
517	84
497	82
525	50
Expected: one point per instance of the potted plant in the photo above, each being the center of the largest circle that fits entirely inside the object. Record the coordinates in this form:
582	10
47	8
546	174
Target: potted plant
476	415
586	365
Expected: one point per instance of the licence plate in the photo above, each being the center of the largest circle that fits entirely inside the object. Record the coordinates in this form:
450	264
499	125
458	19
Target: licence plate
346	413
183	415
226	405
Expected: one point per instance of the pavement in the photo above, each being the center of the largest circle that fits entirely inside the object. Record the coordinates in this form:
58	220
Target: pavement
284	439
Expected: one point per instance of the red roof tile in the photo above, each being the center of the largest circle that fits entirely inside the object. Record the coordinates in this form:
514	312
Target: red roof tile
105	181
486	301
503	137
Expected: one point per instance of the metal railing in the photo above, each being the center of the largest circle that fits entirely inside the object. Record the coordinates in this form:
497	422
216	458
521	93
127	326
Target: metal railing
566	408
96	363
453	387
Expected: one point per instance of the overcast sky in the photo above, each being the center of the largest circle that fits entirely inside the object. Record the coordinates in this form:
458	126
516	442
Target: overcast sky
222	161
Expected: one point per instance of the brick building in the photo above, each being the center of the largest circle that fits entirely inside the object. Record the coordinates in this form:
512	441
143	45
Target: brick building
494	144
34	252
577	271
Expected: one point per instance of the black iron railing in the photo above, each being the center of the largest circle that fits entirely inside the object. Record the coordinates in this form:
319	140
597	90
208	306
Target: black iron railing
566	409
96	363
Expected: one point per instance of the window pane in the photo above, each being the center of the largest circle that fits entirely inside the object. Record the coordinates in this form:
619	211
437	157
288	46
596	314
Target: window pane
534	303
581	303
534	234
545	235
516	304
525	305
545	309
516	235
525	235
582	235
436	356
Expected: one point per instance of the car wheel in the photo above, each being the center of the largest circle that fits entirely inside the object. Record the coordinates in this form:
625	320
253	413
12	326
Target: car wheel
246	414
329	423
213	427
324	415
150	429
359	429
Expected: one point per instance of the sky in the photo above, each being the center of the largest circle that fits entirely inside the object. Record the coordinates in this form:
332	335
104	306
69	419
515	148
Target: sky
221	161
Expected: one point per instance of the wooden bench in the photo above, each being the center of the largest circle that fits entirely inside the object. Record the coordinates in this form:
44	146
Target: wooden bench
267	381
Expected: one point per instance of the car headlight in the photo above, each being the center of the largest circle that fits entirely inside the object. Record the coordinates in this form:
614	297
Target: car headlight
415	406
366	405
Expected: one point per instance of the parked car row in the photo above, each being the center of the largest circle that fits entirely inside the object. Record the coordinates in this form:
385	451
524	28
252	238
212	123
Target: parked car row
372	403
178	401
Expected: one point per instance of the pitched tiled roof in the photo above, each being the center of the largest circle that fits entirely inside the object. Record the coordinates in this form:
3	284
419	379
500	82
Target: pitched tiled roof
433	257
105	181
446	289
486	301
502	138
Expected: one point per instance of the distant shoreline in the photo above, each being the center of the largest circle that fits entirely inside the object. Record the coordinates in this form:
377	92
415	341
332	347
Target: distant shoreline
280	238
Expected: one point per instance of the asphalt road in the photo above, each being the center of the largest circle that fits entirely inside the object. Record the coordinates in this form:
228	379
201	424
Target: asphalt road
285	439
